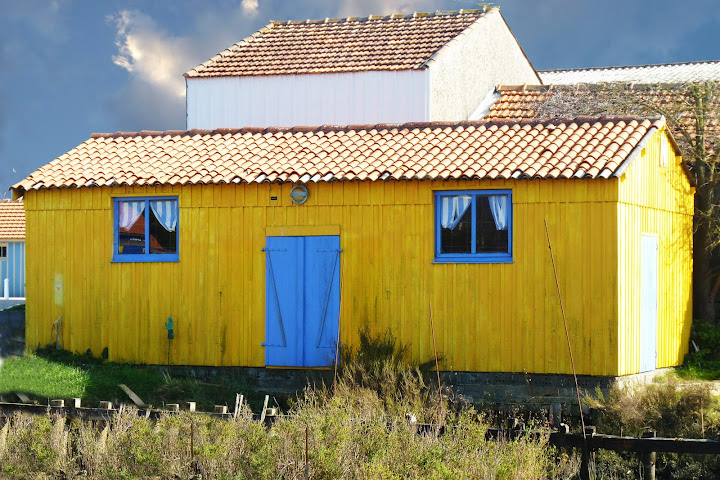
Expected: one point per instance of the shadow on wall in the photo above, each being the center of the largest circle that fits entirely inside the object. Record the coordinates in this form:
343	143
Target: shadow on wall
12	330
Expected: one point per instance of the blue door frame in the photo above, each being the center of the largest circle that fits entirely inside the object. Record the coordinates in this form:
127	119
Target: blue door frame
302	300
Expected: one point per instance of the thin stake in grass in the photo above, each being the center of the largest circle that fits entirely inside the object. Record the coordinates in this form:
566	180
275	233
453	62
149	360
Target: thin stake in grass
437	365
567	333
337	340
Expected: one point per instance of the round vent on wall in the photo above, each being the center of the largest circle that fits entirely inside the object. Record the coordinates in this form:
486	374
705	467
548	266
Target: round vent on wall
299	194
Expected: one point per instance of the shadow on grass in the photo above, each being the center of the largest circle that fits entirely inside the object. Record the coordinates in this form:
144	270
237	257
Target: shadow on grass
54	373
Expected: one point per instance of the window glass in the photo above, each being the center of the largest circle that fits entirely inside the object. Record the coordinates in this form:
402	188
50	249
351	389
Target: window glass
131	227
456	224
3	251
163	222
492	226
473	226
146	229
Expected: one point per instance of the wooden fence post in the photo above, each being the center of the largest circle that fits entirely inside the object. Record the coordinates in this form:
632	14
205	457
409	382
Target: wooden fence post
587	455
649	458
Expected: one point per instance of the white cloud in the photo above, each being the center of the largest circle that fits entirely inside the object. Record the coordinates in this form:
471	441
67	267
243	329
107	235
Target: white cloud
363	8
250	7
149	53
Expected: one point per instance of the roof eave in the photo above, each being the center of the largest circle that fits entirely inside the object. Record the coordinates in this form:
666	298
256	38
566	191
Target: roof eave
620	171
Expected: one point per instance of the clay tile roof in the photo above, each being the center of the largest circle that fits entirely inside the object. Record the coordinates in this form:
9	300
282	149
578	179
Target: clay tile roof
517	102
505	149
393	42
12	220
525	102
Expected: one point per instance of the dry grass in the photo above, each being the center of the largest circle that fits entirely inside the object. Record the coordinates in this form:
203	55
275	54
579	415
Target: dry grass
349	436
358	428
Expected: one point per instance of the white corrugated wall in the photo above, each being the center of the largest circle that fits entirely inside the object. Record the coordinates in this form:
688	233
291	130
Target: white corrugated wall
13	268
318	99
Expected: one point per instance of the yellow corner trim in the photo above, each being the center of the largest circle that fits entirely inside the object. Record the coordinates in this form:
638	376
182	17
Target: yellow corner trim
302	230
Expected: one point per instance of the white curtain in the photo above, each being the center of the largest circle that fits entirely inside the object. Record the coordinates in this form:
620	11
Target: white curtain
166	211
129	212
452	209
499	209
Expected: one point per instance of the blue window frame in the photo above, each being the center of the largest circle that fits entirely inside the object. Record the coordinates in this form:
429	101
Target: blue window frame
146	229
473	226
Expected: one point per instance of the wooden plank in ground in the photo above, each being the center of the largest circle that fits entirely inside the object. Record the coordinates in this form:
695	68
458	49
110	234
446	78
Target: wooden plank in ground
265	404
133	396
23	398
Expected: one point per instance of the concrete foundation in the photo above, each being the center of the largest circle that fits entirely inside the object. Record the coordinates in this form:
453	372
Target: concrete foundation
528	389
498	390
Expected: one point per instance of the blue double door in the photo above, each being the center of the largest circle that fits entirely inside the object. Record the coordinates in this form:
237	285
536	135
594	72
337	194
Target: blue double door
302	300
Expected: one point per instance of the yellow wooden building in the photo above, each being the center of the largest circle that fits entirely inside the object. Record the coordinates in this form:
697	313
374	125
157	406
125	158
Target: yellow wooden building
262	244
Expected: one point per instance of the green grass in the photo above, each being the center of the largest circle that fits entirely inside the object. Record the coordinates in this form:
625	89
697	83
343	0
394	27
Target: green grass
695	372
51	374
41	378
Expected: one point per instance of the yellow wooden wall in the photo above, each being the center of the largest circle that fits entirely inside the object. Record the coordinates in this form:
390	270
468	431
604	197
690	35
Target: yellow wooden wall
658	200
488	317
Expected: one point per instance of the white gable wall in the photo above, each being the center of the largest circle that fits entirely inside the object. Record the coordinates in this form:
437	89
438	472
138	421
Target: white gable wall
472	64
312	99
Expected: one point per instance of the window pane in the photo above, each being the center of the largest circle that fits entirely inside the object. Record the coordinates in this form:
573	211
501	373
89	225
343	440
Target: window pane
131	228
492	214
163	226
455	223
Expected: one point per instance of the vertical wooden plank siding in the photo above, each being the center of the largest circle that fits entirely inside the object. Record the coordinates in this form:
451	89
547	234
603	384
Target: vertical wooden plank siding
656	199
488	317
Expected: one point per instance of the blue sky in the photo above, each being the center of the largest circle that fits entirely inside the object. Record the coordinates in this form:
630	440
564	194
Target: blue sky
69	68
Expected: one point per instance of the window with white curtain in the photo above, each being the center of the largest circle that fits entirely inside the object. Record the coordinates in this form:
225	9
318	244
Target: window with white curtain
146	229
473	226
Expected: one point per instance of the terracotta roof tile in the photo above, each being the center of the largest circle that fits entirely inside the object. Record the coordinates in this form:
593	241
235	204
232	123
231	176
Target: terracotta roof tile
12	220
393	42
517	103
526	149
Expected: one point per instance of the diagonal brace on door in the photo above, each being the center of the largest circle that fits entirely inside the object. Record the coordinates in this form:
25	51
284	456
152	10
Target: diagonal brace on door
327	295
277	301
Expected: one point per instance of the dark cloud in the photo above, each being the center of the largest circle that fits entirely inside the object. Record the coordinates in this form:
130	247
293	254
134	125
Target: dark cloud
58	82
144	106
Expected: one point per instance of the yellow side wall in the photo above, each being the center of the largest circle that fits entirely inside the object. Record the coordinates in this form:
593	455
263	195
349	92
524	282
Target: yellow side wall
656	200
488	317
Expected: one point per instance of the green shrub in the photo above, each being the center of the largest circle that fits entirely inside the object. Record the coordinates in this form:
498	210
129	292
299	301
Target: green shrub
705	362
